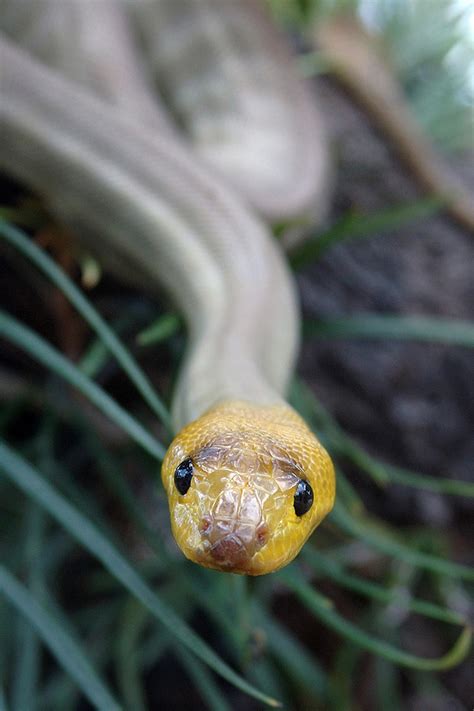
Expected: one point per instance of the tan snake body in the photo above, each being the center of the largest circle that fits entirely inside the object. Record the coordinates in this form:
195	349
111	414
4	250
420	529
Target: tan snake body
109	163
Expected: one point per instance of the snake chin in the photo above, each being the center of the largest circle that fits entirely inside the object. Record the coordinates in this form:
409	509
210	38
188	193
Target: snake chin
245	464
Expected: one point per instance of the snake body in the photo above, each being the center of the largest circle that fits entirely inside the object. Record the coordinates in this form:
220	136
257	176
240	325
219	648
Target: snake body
247	481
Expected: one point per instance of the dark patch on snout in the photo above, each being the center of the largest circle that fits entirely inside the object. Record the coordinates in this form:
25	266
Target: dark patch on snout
229	552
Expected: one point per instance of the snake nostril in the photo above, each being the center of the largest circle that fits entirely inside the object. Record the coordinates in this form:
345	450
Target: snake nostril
229	551
205	524
262	535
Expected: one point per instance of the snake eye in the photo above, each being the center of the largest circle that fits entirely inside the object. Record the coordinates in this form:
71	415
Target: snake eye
303	498
183	475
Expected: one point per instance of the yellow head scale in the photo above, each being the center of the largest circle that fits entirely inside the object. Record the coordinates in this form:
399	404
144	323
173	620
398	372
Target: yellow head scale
246	486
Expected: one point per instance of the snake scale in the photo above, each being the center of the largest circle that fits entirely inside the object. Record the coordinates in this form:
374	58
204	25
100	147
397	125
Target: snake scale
174	188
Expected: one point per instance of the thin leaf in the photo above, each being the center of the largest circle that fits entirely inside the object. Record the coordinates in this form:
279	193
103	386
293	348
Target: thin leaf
129	679
323	609
69	289
28	215
63	647
59	691
27	668
160	330
40	350
203	681
377	537
354	226
387	682
335	571
215	607
111	471
297	661
387	327
27	478
97	354
344	676
264	672
383	473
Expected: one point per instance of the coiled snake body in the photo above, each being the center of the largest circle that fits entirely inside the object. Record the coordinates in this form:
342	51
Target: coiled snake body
246	479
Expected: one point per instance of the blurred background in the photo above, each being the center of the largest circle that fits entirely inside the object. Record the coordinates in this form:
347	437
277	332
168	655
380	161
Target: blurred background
385	376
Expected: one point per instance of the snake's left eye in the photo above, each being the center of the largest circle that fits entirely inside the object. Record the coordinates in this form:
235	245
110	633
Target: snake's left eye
303	498
183	475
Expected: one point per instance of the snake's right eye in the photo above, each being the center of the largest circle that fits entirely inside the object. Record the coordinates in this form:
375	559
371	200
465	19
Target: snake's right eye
183	475
303	497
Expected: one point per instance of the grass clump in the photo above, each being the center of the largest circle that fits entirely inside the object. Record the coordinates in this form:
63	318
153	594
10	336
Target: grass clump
154	603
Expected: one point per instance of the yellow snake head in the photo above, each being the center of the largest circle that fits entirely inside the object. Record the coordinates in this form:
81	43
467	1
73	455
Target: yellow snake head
246	486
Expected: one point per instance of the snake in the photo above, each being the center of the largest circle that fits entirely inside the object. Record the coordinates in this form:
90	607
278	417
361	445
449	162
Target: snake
170	135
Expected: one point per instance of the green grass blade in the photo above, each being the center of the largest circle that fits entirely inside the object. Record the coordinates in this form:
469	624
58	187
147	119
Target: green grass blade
40	350
111	472
323	609
129	677
63	647
97	353
383	473
335	571
59	691
344	676
387	681
27	668
454	487
28	215
354	226
215	608
27	478
400	328
264	672
203	681
160	330
297	661
69	289
377	538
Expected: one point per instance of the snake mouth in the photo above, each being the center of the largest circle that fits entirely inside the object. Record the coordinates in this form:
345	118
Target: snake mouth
230	552
234	550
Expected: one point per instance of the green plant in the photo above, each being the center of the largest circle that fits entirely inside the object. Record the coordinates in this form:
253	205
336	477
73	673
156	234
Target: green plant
54	515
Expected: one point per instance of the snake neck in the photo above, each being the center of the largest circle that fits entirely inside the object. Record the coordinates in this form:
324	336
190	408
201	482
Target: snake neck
223	384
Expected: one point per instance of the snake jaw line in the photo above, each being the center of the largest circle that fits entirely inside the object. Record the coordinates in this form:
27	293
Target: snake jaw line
238	514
